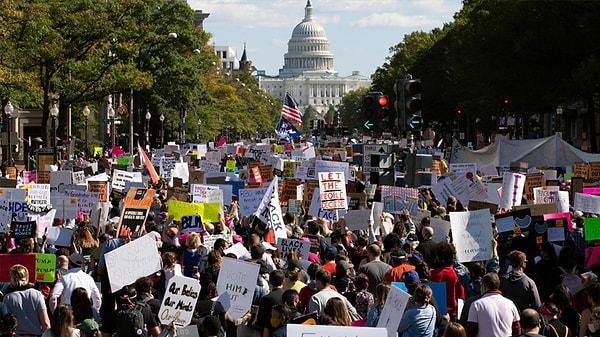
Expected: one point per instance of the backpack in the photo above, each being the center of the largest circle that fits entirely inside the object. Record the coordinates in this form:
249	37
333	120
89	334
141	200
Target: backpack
129	321
571	280
221	332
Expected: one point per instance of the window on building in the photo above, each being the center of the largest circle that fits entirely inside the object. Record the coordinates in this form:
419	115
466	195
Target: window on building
224	54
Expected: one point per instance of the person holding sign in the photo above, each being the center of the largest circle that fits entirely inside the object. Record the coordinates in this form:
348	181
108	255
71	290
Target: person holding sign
419	317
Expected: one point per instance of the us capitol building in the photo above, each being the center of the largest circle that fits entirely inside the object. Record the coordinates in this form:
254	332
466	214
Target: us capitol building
307	73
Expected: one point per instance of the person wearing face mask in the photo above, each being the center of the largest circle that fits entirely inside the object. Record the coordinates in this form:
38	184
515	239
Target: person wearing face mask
280	316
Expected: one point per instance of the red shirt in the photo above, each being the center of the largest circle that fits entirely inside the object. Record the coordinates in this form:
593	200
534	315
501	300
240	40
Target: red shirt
395	274
330	267
454	290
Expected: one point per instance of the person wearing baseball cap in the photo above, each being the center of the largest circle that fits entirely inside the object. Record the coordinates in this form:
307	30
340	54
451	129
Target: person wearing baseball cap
88	328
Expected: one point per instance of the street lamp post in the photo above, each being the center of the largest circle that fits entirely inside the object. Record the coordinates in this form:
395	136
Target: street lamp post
54	115
559	112
148	116
162	129
8	110
111	116
86	114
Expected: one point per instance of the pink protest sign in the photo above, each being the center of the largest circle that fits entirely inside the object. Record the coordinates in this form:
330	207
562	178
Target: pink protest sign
566	216
591	190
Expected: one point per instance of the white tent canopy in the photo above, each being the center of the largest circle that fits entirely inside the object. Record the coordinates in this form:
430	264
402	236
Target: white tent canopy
551	151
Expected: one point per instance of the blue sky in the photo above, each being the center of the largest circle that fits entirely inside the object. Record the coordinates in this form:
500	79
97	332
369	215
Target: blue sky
360	32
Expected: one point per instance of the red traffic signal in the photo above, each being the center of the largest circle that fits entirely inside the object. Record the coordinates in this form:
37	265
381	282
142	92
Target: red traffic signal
383	100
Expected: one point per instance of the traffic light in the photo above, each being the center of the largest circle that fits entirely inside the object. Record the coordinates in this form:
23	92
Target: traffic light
384	112
412	102
368	110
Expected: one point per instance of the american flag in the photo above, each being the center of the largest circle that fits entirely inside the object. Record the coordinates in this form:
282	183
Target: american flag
290	109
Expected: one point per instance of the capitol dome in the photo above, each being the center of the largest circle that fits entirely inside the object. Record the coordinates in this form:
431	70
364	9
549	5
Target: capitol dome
308	49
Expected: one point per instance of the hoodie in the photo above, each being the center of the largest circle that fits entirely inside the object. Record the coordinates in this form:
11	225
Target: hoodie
521	289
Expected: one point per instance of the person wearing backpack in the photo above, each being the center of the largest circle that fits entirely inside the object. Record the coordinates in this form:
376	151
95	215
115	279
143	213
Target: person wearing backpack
131	318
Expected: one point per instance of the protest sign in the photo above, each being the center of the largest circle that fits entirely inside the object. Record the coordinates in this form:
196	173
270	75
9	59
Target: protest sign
238	250
60	178
45	221
208	211
357	219
45	268
66	207
139	197
305	330
472	234
249	199
85	200
269	211
59	236
9	260
209	240
187	331
179	301
79	178
120	177
441	229
131	223
131	261
532	180
316	210
591	228
22	229
100	187
39	198
237	278
16	194
393	309
512	190
332	190
587	203
592	256
508	221
191	223
288	245
565	216
545	194
11	211
29	176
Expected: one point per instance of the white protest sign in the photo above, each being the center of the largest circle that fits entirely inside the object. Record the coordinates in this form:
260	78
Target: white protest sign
59	236
472	234
238	278
512	190
16	194
332	190
12	211
60	178
38	197
66	207
393	309
441	229
562	200
249	199
131	261
357	219
209	240
79	178
307	330
269	211
182	171
333	166
238	250
179	301
167	164
545	194
316	210
187	331
467	170
99	215
85	200
45	221
120	177
587	203
287	245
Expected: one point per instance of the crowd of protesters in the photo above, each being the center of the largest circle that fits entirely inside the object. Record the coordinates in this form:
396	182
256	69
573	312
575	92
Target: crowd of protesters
344	280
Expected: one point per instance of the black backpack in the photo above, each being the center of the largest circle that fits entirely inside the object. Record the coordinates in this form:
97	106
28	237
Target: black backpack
129	321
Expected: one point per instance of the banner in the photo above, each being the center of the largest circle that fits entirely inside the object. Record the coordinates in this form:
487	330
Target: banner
237	278
179	301
131	261
472	234
512	190
269	211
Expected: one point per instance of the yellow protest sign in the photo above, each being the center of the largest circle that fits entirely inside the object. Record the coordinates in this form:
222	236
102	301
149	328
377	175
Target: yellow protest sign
208	211
45	267
230	165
